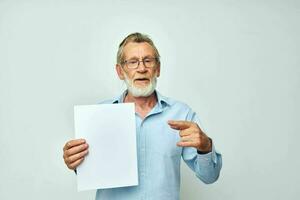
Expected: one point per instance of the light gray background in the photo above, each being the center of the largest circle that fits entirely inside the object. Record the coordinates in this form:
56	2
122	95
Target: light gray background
236	63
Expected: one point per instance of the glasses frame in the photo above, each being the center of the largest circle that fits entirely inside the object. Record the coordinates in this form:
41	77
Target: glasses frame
125	62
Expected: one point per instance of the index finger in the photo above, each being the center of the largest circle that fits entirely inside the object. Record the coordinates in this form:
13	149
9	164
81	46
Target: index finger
73	143
179	124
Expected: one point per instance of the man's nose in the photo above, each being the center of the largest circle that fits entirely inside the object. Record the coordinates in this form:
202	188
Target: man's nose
141	66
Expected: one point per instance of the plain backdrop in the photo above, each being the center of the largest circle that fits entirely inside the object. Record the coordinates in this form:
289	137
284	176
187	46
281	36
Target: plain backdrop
235	62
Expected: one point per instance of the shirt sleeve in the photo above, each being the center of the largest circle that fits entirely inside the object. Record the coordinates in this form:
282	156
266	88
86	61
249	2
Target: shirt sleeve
207	166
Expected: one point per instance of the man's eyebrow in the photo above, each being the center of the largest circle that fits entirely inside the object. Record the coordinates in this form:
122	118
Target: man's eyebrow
133	58
137	58
149	56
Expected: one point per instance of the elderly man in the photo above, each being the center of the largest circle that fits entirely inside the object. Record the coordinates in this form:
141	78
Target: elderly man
166	130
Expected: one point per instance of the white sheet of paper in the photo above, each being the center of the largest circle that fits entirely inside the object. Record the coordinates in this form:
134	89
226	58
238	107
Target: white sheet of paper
110	131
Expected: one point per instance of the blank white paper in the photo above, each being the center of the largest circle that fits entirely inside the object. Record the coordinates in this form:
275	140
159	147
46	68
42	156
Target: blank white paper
110	131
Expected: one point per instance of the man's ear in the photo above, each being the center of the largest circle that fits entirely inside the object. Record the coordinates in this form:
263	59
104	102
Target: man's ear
158	70
120	72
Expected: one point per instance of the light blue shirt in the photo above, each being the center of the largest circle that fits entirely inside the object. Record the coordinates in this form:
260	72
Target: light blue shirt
159	157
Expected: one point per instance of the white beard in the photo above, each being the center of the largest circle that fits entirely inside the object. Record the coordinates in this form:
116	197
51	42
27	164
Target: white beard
140	92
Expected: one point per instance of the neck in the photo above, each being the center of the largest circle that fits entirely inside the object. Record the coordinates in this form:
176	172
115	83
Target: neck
143	105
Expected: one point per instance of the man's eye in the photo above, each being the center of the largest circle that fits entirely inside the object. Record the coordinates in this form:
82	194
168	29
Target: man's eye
132	61
147	60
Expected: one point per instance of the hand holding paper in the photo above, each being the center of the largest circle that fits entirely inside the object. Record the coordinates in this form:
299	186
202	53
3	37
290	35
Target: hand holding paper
74	152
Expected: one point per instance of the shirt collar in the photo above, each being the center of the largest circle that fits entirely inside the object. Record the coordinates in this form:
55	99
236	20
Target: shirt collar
162	100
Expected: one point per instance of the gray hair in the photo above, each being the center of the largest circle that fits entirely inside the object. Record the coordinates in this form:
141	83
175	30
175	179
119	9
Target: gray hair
138	38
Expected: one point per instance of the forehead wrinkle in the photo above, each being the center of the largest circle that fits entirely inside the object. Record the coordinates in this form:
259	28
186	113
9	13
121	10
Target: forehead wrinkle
138	50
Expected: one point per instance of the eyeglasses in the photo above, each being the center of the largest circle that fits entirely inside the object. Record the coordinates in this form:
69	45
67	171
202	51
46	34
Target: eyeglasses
134	63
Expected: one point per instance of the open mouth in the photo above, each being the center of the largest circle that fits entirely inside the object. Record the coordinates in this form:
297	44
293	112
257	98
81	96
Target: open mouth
141	80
